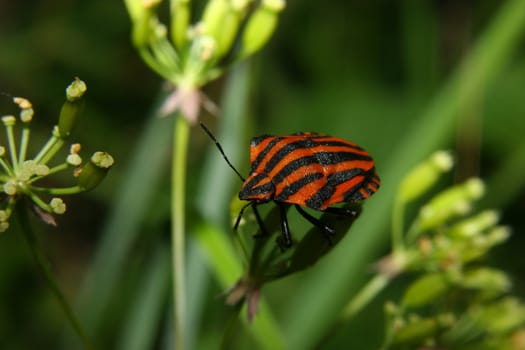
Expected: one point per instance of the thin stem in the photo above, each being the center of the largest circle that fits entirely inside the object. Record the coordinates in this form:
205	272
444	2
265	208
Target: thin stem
39	202
367	293
50	143
43	264
178	184
58	191
53	170
6	167
52	151
12	146
398	213
24	141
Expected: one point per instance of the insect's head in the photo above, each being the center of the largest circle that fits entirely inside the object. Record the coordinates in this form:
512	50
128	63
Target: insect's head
257	188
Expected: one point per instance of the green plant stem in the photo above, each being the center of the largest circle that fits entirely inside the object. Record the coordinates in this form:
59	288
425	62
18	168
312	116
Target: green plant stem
12	146
178	183
43	264
398	214
364	296
231	328
24	141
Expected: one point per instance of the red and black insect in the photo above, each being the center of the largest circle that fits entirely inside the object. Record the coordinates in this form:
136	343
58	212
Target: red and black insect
305	170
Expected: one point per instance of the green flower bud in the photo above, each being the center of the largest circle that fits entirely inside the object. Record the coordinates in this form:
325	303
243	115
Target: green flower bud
425	290
4	226
74	159
76	90
180	21
4	215
71	108
499	317
95	170
491	282
213	15
26	115
475	225
260	27
415	332
424	176
144	21
58	206
26	109
10	187
452	202
9	120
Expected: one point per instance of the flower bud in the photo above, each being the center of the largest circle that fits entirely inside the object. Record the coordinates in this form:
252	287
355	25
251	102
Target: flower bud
415	332
71	108
95	170
425	290
180	21
58	206
74	159
475	225
4	226
75	90
213	16
260	26
10	187
425	175
26	109
144	20
9	120
452	202
491	282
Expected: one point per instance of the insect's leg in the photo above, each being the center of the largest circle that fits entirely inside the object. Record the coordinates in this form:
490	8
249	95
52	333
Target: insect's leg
285	241
344	211
239	217
327	230
264	231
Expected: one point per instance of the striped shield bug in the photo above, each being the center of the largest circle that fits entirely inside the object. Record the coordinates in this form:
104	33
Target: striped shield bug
305	169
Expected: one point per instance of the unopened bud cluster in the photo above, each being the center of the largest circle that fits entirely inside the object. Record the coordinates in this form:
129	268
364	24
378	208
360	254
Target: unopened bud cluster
454	292
20	173
190	55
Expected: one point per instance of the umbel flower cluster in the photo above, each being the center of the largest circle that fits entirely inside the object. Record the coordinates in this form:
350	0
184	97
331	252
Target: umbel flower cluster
21	174
190	55
456	301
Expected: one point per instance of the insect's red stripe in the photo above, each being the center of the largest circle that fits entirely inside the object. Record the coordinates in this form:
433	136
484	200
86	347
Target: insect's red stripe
329	162
259	148
341	190
294	193
269	152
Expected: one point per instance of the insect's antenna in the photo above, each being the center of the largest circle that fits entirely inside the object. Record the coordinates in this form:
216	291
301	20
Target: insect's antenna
220	150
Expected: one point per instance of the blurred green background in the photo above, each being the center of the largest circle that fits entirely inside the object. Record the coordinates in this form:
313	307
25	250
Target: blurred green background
364	71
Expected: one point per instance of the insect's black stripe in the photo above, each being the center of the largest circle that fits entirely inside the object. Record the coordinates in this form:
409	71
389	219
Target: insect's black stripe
264	152
354	195
257	140
296	186
250	185
322	158
284	151
326	192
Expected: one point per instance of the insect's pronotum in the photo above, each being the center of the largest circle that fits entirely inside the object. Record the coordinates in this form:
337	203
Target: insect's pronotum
305	170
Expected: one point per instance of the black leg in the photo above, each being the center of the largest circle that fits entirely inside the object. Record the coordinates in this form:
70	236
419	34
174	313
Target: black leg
239	217
316	222
286	240
349	212
264	231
